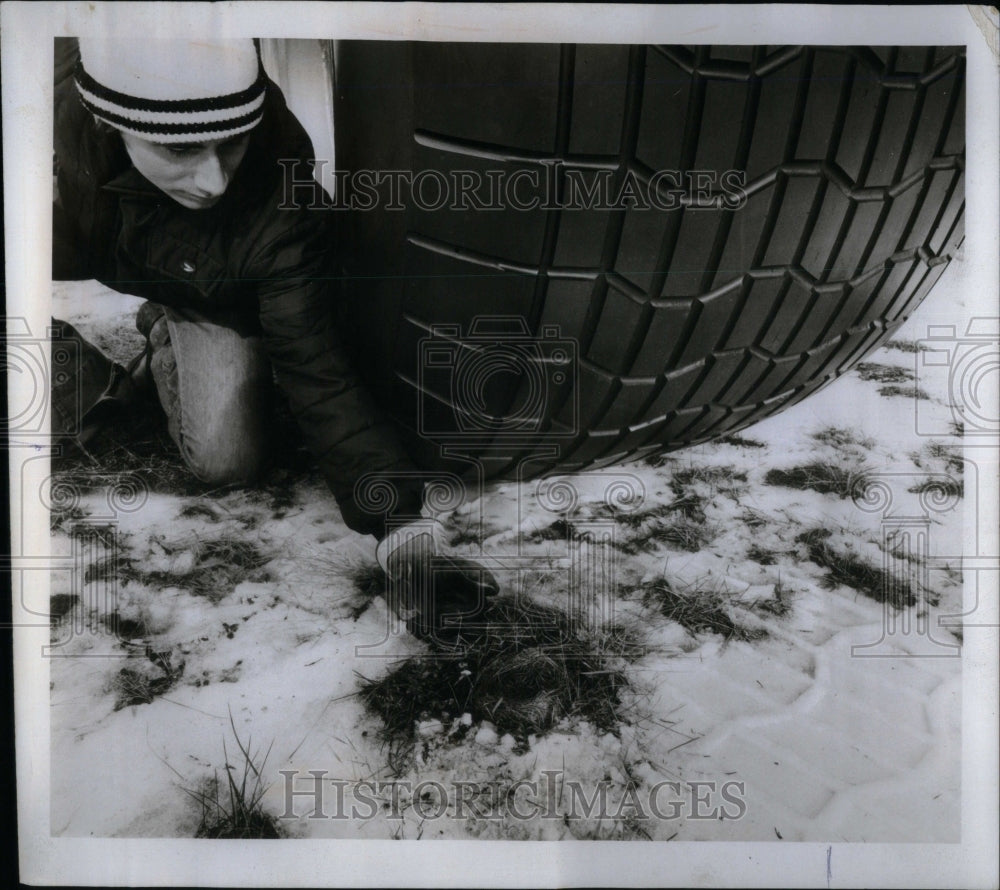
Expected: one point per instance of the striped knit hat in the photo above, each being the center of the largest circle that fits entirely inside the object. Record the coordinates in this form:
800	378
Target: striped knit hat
172	91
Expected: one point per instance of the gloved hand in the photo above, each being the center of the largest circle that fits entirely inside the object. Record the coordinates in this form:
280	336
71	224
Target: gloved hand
435	592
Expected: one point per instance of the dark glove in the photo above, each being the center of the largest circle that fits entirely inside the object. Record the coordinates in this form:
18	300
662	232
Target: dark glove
441	597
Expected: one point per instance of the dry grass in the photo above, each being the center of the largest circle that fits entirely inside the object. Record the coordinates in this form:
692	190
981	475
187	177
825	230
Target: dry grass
852	571
726	480
60	605
911	346
144	681
680	524
947	487
939	453
778	605
219	566
761	555
841	439
137	443
560	530
523	667
739	441
238	814
907	392
698	608
816	476
883	373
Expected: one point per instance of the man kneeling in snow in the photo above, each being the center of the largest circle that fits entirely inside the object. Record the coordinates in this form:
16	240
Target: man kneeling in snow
168	188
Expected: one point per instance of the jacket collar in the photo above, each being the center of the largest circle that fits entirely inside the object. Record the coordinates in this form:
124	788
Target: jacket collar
132	183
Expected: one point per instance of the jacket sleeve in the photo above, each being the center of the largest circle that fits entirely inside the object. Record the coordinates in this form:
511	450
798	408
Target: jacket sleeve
341	425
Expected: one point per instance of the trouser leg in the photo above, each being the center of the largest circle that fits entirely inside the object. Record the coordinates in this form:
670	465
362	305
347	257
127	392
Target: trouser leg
215	385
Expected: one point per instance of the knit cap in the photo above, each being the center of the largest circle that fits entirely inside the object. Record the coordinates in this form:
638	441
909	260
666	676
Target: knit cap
172	91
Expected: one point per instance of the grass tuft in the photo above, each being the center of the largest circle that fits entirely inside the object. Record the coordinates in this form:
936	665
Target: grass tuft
906	345
761	555
908	392
841	439
816	476
741	442
523	667
560	530
883	373
851	571
949	487
698	609
237	813
369	581
60	605
219	566
142	683
778	605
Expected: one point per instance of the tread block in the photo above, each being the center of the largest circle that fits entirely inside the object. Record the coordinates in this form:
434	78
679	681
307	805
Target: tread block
859	121
901	209
935	197
721	375
747	380
952	213
954	143
855	301
580	241
597	386
721	117
628	402
566	305
772	381
775	109
819	132
666	96
639	247
616	326
786	238
690	265
815	324
594	444
856	346
937	96
861	230
888	295
599	85
894	126
520	96
823	239
712	321
662	339
817	359
674	392
759	304
743	239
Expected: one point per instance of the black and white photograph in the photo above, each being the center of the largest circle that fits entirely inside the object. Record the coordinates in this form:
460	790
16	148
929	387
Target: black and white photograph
507	424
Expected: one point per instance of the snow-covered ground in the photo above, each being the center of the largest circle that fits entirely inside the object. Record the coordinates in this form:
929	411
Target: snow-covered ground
239	605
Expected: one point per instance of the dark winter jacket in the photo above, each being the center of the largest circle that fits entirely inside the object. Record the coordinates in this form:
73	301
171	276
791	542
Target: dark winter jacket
243	261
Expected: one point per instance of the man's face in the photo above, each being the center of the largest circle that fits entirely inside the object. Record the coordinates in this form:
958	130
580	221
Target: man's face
194	174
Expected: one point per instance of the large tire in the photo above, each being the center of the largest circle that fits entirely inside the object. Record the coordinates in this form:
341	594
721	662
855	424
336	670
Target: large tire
687	323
